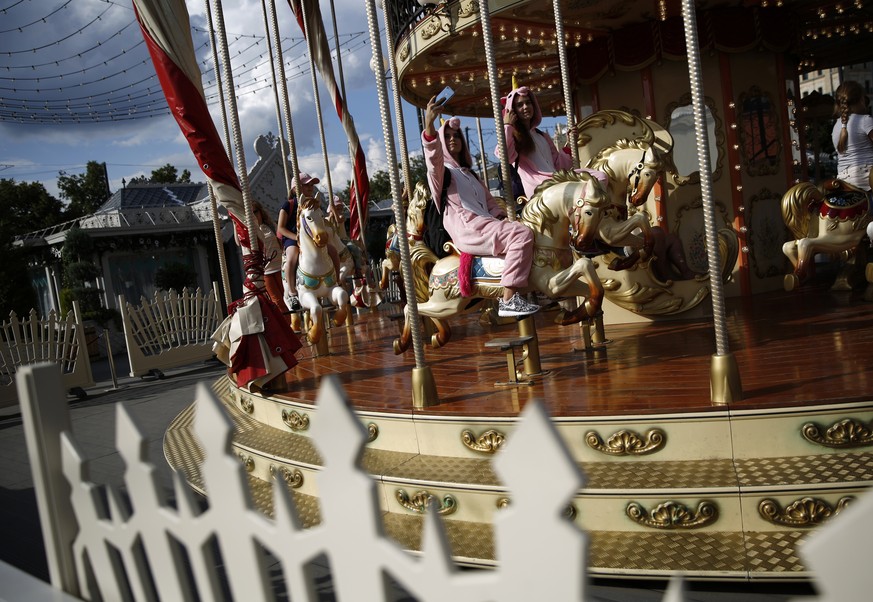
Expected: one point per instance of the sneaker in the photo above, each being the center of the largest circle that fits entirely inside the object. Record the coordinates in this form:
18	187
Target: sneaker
516	306
294	303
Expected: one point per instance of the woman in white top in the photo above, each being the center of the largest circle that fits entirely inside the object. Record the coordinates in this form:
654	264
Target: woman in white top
853	135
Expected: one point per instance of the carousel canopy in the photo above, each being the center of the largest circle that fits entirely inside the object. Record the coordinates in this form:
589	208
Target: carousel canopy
438	46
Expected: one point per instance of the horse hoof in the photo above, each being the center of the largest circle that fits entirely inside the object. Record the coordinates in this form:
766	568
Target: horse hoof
398	348
791	282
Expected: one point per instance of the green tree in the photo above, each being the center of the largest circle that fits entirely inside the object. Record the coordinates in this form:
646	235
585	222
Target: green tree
84	192
168	174
27	206
80	273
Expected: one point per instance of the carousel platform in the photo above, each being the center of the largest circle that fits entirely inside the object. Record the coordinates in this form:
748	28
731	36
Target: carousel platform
675	483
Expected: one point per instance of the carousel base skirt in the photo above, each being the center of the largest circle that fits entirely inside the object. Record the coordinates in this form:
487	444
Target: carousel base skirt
748	481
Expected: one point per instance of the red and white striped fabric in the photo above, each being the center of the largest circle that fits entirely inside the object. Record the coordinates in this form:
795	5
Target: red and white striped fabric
255	341
320	51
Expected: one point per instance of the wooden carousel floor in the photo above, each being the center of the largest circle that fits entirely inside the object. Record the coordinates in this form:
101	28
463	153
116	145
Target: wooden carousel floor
808	347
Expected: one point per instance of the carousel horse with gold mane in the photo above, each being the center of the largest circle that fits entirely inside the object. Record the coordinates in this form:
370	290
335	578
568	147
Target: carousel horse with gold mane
827	219
634	153
316	275
563	215
422	257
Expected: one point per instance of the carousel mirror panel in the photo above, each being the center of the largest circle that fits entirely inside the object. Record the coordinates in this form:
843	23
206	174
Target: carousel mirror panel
680	124
758	131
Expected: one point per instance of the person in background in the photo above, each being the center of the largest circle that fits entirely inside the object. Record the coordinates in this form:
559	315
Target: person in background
272	254
471	216
287	229
531	150
853	135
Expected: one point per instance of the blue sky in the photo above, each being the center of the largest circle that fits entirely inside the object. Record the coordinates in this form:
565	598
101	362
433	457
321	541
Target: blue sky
55	53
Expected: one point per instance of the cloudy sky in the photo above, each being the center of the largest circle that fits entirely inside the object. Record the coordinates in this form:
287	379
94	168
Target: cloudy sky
77	84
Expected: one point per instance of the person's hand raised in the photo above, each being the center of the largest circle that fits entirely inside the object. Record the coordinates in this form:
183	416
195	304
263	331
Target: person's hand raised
509	117
433	110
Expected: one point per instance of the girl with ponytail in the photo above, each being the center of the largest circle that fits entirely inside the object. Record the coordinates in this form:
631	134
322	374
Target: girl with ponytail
853	135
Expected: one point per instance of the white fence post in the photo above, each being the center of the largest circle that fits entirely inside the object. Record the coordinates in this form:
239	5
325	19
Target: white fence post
45	415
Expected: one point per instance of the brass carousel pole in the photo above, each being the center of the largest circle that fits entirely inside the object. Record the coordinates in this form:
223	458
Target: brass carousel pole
316	96
493	84
725	385
283	94
482	152
526	325
424	392
565	78
275	87
216	226
398	107
242	173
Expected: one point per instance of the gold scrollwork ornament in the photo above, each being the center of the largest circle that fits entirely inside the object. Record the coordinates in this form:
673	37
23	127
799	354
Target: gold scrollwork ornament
247	405
294	478
372	431
247	461
628	443
487	443
468	9
841	434
673	515
294	420
805	512
419	501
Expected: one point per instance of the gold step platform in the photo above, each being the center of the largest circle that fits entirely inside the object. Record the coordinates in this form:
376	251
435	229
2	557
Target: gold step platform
674	483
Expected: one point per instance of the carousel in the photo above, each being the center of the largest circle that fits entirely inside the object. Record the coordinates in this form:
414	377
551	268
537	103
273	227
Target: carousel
719	418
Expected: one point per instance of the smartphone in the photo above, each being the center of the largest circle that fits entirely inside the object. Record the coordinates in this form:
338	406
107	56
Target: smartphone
444	96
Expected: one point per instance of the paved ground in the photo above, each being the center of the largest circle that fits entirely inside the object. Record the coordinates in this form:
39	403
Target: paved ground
154	403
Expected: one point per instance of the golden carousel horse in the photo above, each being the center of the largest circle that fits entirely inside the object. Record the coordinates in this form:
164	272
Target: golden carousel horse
420	255
842	213
634	153
573	201
316	275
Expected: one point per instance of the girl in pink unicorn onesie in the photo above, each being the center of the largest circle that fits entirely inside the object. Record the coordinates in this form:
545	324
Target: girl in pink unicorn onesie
471	216
533	152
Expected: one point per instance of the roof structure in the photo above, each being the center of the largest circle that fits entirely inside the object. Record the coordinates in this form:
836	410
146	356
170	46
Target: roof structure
144	196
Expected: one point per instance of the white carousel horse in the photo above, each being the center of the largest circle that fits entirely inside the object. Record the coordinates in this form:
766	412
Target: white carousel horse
574	201
842	213
316	275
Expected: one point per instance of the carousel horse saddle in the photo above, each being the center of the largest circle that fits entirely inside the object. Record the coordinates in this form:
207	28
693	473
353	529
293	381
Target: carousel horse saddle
843	201
486	269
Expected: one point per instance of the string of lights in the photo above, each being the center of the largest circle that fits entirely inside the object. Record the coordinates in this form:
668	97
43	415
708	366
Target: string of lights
38	85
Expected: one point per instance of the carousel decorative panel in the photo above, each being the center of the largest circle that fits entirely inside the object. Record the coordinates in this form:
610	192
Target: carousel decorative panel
758	131
689	226
766	235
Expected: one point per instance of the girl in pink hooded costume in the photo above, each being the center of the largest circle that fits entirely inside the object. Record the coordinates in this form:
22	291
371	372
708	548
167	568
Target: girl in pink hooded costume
471	216
534	152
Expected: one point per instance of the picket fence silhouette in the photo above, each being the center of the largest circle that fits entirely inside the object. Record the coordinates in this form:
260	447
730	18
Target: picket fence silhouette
171	330
53	339
100	548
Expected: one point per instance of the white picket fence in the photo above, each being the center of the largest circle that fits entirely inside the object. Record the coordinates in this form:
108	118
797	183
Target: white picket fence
170	331
100	548
52	339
